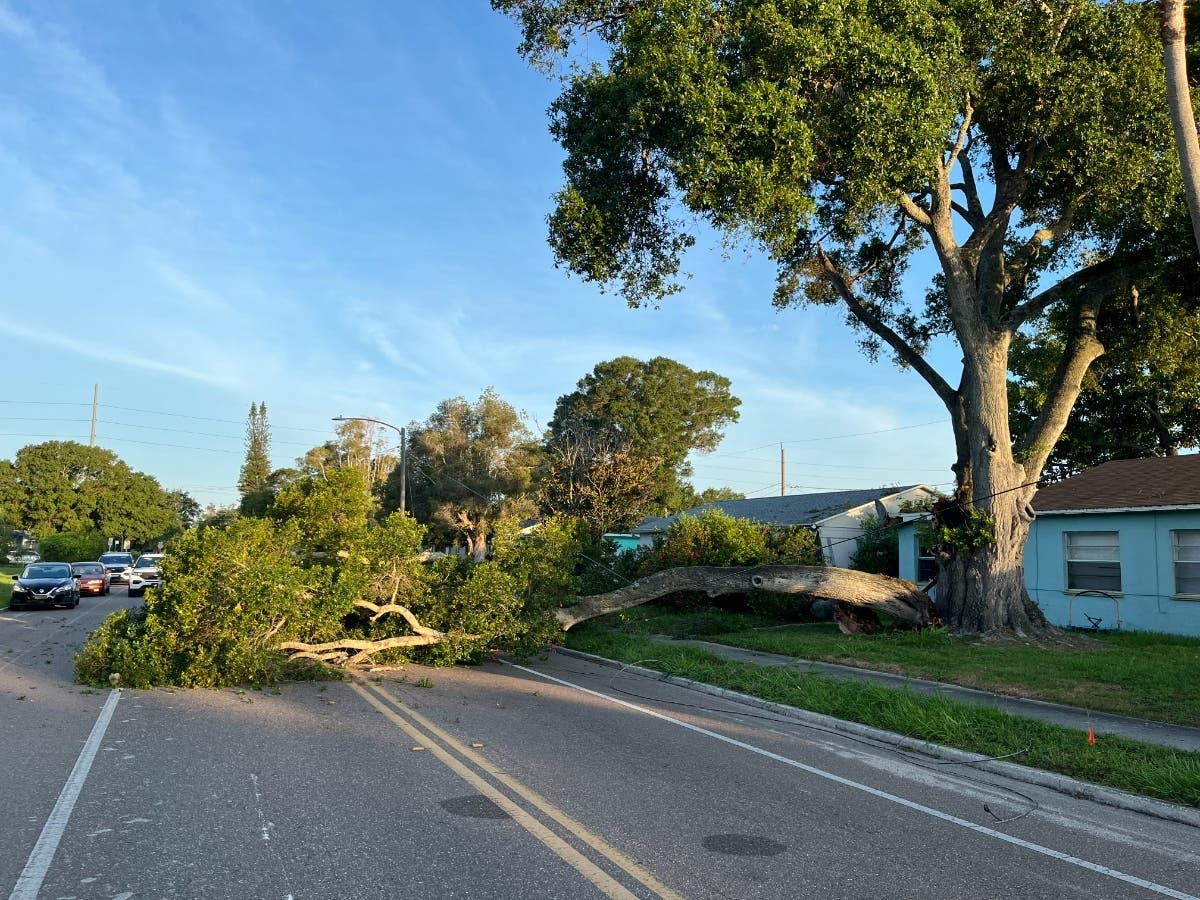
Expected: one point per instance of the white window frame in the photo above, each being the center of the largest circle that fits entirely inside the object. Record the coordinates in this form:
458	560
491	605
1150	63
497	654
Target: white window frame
924	555
1185	542
1091	549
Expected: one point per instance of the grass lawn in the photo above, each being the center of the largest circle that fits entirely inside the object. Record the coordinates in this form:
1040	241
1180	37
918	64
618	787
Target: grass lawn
6	583
1151	676
1127	765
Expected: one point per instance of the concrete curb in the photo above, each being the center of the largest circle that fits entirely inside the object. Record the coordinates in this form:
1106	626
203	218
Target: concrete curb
1061	783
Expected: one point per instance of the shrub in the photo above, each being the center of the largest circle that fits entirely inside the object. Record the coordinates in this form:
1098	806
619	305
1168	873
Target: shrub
715	538
229	596
712	538
878	548
72	546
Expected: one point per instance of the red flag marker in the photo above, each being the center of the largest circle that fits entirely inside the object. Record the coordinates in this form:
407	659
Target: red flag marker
1091	737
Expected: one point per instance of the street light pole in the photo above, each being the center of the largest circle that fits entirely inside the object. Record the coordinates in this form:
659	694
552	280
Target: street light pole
403	449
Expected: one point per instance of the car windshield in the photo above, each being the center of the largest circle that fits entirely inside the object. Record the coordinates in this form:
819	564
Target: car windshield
149	561
115	558
48	570
88	568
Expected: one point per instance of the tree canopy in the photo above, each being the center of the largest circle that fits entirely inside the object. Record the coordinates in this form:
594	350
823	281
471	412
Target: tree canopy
1142	398
1026	144
470	463
62	486
646	415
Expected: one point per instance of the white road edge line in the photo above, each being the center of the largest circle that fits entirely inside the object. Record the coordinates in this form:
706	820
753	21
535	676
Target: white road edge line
30	880
884	795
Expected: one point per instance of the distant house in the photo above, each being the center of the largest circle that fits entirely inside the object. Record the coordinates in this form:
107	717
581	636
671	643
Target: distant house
623	540
1115	546
835	515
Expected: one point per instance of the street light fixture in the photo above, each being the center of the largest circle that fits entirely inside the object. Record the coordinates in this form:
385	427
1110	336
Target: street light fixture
403	447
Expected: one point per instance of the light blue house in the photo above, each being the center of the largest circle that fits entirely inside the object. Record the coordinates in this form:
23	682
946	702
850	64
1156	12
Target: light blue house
1117	546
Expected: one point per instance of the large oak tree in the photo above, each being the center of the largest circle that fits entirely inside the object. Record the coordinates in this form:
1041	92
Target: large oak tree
61	486
1025	142
633	423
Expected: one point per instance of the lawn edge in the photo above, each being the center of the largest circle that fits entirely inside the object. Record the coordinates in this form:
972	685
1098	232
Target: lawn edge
1062	784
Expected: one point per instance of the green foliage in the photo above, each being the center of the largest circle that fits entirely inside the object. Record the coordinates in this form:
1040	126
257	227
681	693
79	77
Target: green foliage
228	597
231	595
329	509
657	411
62	486
471	464
1148	380
978	530
257	468
878	548
715	538
73	546
1023	146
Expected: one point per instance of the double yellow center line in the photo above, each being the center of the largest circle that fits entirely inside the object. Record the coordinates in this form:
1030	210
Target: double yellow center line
471	767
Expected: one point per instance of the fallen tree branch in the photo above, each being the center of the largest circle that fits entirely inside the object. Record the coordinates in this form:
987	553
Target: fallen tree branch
881	593
379	612
337	651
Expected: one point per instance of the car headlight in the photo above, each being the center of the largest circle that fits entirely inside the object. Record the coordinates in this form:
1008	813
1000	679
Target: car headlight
63	589
17	589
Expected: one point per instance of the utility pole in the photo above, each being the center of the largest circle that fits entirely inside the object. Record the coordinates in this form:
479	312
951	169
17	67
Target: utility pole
403	432
782	473
95	403
403	468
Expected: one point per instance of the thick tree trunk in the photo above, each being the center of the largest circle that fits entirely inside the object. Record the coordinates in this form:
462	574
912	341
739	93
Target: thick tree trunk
981	578
1179	98
982	590
881	593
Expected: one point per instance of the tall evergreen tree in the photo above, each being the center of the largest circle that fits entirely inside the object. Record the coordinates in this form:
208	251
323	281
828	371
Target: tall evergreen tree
256	470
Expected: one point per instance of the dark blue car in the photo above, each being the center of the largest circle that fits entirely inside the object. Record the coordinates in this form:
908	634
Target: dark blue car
44	584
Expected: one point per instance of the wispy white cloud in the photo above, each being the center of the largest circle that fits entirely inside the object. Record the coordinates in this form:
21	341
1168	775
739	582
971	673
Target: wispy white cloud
13	25
102	351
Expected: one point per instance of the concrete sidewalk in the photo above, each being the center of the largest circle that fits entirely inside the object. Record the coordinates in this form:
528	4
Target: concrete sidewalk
1178	736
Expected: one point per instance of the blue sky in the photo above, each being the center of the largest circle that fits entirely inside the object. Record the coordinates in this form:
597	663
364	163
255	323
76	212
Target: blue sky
339	209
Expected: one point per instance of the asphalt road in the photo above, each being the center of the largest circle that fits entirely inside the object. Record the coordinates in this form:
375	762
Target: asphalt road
556	778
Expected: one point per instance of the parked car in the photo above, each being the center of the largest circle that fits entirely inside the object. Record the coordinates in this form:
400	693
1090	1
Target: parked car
118	565
91	577
146	572
23	557
44	584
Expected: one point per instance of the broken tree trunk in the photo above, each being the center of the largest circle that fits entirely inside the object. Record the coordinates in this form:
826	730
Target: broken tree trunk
860	590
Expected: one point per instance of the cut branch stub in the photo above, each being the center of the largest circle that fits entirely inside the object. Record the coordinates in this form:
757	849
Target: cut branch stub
881	593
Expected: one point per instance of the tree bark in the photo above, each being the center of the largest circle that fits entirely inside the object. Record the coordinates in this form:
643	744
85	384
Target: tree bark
881	593
1179	98
981	577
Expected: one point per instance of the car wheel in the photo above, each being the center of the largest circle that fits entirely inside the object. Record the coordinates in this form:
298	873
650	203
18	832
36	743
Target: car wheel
107	588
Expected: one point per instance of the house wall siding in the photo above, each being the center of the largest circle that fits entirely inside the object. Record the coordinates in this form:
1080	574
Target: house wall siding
1147	571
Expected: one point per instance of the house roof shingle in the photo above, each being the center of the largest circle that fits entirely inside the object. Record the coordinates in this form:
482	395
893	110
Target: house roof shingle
794	509
1126	484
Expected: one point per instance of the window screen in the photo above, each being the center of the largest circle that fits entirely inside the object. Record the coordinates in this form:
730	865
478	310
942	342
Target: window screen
1186	546
1093	561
